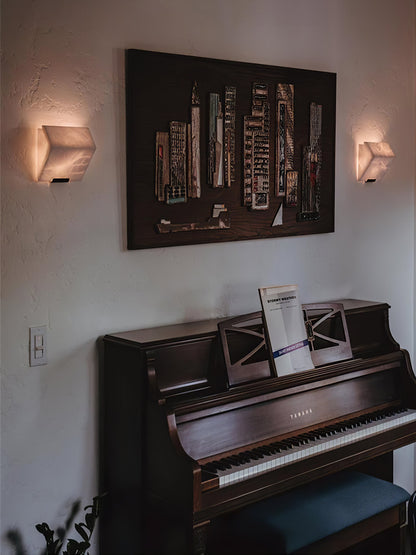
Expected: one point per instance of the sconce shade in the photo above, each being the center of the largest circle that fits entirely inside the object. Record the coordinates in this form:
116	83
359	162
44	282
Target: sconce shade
373	161
64	153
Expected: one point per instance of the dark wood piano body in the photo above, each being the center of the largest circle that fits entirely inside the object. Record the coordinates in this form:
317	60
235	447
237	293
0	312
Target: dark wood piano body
166	409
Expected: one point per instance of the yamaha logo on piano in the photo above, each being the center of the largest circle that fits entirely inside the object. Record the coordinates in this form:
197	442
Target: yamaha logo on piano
300	414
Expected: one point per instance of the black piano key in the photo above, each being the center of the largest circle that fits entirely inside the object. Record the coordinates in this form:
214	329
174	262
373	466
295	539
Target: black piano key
210	468
221	464
236	461
311	436
304	439
227	462
245	456
262	451
288	442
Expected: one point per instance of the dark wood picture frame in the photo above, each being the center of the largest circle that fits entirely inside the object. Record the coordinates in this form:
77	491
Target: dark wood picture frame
158	91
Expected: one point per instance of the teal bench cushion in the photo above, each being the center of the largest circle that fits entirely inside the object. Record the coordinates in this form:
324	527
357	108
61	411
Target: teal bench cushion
307	514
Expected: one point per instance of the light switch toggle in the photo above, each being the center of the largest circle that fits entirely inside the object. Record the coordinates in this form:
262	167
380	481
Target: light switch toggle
37	346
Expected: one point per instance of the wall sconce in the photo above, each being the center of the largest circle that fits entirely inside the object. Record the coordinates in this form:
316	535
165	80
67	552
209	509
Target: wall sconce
373	161
64	153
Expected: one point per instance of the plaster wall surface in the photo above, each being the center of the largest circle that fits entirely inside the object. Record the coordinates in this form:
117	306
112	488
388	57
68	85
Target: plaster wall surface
64	261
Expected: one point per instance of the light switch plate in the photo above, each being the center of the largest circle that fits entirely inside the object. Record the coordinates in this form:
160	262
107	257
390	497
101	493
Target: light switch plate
37	346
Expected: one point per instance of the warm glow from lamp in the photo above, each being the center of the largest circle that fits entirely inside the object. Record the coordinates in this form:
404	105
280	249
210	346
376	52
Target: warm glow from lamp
373	161
64	153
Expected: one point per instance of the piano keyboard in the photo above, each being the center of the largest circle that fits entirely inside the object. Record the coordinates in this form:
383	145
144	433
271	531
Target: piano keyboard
248	464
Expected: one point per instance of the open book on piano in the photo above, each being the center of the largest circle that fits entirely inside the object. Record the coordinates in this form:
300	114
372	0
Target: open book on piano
192	428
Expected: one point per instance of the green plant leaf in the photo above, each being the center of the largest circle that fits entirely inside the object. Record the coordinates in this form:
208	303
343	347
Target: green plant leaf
95	507
80	529
72	547
56	546
85	530
90	520
45	531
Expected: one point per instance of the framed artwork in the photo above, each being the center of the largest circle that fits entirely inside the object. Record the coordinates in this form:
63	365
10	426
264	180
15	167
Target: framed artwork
226	151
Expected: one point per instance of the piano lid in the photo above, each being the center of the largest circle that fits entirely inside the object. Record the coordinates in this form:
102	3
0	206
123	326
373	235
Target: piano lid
187	359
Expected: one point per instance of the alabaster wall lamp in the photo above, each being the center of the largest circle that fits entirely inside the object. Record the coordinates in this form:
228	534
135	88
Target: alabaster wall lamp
373	161
64	153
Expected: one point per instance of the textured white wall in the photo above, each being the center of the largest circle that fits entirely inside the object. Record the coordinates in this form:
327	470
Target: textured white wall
64	262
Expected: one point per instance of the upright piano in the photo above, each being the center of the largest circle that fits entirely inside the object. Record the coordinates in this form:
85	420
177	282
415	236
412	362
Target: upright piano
195	423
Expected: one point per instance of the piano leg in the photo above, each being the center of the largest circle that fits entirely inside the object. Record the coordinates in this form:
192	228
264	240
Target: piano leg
388	542
200	535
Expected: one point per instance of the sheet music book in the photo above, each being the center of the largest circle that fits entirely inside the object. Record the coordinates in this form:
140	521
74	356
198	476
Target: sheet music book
285	329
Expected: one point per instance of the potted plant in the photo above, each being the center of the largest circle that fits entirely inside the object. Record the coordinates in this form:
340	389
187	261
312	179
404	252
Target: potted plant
85	530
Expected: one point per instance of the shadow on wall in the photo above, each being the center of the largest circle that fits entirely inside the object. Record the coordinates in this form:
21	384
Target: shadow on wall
14	536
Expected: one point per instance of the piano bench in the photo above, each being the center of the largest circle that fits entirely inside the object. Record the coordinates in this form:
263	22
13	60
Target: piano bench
326	516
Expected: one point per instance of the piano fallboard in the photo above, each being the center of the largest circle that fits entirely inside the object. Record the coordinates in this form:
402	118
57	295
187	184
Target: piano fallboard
230	424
